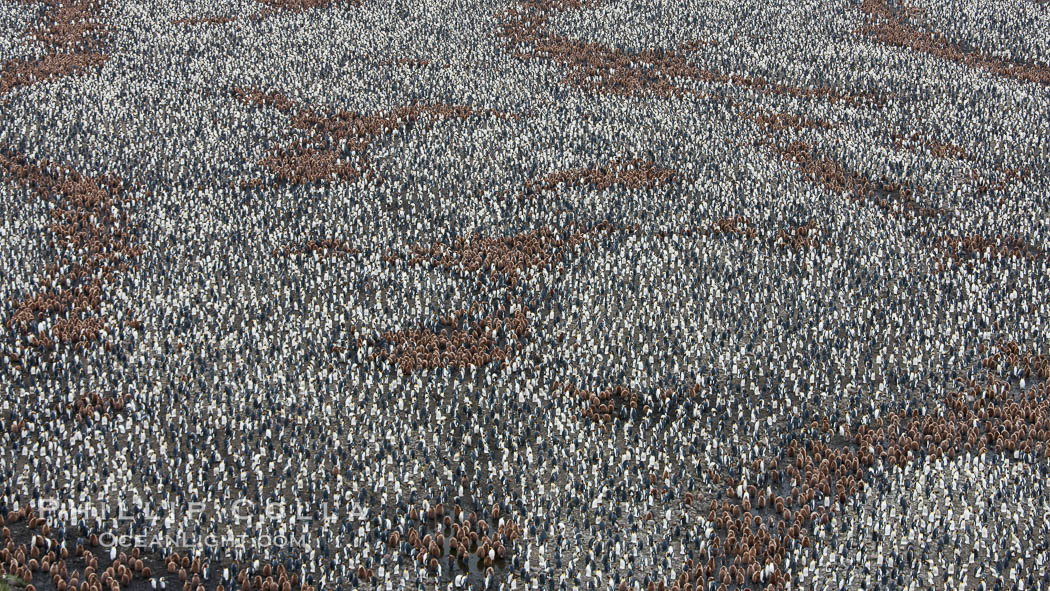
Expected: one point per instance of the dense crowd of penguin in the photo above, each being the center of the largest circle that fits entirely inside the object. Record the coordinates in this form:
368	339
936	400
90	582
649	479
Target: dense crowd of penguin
529	294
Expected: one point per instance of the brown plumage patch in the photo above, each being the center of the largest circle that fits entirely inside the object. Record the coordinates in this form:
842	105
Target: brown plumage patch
891	197
889	25
95	247
737	226
912	142
612	403
829	464
73	36
464	338
799	237
595	67
86	406
976	247
335	147
500	256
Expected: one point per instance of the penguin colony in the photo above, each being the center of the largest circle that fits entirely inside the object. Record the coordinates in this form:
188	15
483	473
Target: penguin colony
528	294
